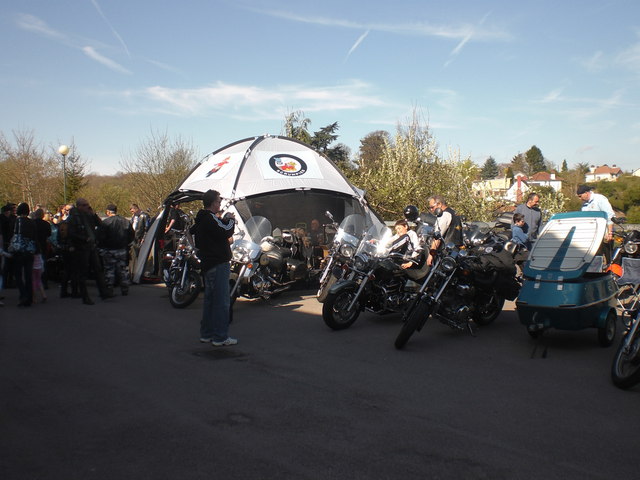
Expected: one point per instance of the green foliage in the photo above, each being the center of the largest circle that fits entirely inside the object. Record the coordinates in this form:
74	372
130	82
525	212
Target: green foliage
535	161
490	169
633	214
565	167
550	201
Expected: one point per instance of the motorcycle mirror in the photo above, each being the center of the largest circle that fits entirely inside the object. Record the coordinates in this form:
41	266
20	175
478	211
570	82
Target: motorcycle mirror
328	214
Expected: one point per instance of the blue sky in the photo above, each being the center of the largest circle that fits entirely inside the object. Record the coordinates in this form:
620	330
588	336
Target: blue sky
491	78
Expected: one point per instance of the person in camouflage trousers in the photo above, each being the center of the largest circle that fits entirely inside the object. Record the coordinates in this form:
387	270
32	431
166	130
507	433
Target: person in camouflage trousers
115	236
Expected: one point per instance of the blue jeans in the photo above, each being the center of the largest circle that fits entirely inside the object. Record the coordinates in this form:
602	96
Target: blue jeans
215	313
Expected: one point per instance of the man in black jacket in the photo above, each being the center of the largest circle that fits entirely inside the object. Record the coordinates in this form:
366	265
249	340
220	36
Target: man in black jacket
212	236
115	235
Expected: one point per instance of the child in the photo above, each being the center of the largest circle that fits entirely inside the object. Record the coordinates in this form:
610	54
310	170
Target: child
517	231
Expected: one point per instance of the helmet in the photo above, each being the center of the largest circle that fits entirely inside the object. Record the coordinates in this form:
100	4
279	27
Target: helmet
411	213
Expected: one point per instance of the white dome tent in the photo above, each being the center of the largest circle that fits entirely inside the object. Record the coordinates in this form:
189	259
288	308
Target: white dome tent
278	177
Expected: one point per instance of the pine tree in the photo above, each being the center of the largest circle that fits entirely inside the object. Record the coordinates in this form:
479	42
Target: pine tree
490	169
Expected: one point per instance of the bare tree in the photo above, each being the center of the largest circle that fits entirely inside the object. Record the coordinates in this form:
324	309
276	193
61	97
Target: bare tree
156	168
26	170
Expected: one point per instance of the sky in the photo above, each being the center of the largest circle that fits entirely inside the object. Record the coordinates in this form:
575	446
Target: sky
489	78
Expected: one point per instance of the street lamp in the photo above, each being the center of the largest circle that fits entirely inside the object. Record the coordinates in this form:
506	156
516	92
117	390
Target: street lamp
64	150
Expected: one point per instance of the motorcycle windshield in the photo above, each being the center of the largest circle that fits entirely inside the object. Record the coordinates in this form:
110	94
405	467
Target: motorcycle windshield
376	241
351	229
257	228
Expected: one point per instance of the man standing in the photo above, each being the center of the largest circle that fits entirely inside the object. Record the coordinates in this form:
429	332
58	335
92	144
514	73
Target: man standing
532	217
115	235
139	223
595	202
212	235
448	224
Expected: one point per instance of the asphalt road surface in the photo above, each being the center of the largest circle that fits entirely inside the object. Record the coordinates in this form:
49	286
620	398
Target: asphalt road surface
124	390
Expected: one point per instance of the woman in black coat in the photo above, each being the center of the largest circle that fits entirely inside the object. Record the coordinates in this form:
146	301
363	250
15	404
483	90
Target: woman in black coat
23	261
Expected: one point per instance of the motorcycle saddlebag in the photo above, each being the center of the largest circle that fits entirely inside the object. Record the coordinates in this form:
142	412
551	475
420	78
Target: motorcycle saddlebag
297	269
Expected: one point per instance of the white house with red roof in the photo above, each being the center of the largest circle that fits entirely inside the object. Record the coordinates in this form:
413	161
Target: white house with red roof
603	172
545	179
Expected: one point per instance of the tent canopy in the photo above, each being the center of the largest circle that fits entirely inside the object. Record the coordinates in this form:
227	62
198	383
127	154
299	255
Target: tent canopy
273	176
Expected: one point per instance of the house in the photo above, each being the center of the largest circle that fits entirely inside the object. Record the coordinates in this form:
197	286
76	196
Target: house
491	188
604	172
636	172
545	179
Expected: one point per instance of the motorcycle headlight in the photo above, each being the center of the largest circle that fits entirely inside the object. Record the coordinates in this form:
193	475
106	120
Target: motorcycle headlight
240	254
360	262
631	248
347	250
448	264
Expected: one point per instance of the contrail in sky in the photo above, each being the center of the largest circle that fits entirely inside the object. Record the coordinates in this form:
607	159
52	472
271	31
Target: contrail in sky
357	44
117	35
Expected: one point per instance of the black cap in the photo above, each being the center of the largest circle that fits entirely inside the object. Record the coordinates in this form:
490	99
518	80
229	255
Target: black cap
583	189
112	208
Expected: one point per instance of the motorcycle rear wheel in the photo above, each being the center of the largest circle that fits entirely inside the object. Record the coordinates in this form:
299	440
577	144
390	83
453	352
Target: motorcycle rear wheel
625	371
418	315
488	312
180	298
334	309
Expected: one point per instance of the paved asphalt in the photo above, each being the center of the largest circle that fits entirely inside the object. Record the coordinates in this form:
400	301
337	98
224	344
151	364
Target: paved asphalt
124	390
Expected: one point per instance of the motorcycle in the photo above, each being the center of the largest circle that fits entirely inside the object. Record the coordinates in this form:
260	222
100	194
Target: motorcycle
181	273
377	282
263	266
341	253
462	290
625	370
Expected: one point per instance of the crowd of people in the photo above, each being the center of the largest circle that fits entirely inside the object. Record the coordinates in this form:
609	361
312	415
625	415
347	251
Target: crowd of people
69	246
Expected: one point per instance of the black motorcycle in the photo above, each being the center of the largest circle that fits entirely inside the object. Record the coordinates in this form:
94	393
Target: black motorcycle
462	290
376	283
181	271
264	265
625	370
345	243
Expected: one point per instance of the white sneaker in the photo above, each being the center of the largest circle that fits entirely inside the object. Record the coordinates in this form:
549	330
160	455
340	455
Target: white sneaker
225	343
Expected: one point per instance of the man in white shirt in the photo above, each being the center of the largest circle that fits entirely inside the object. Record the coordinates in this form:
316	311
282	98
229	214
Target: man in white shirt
594	202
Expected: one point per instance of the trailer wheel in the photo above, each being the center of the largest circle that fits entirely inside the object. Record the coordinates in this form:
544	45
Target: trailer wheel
607	334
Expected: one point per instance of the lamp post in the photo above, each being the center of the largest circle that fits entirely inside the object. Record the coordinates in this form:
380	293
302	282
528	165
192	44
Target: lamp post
64	150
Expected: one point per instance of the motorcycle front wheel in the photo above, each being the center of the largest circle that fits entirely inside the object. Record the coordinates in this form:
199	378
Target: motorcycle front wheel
416	317
182	298
487	312
323	291
625	371
334	309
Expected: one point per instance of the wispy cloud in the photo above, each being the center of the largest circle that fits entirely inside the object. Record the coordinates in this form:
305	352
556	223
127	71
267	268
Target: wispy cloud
32	23
232	99
113	30
357	44
107	62
595	62
36	25
417	28
630	58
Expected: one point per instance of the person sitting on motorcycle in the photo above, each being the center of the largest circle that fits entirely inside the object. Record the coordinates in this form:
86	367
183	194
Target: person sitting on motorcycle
405	241
448	224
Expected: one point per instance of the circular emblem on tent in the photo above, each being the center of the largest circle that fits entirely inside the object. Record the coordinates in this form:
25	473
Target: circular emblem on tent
288	165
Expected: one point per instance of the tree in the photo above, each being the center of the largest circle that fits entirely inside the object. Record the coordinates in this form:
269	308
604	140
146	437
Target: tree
565	167
26	171
535	161
156	168
490	169
519	164
296	125
410	170
372	148
75	177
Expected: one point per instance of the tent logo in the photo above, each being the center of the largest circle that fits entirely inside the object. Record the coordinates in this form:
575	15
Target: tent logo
288	165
